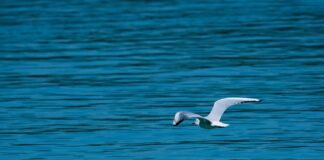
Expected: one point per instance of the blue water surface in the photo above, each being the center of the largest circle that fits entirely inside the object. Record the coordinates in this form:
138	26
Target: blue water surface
90	79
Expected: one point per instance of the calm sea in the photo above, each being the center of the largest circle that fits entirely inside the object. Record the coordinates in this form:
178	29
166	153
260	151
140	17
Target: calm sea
101	80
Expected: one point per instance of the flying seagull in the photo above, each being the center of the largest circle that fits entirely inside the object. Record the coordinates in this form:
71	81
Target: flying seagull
213	119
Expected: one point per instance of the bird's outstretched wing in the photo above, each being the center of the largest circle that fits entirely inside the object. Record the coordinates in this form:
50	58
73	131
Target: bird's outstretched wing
183	115
221	105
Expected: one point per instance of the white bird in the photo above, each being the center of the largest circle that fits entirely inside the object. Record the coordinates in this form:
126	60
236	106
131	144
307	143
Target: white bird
213	119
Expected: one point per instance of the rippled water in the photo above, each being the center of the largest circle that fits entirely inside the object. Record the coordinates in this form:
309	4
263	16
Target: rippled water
103	79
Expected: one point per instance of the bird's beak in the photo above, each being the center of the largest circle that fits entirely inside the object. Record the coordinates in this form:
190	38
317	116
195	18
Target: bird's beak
174	123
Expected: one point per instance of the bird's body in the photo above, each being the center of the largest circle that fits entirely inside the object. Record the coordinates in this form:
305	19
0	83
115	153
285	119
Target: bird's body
213	119
205	123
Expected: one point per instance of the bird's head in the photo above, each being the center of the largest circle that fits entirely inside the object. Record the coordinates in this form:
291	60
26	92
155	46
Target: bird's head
196	122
